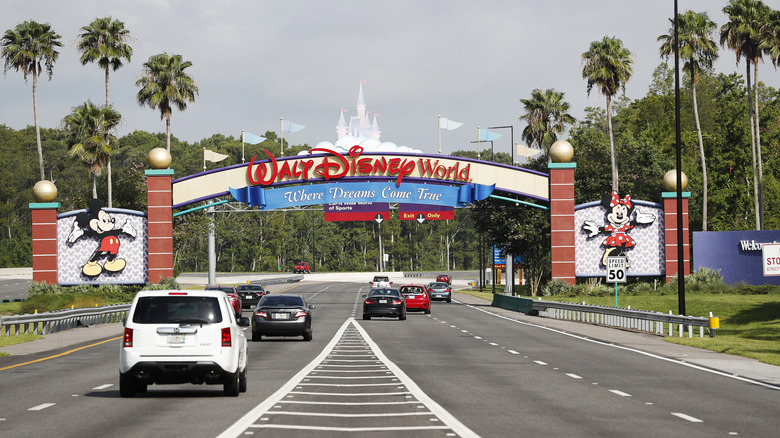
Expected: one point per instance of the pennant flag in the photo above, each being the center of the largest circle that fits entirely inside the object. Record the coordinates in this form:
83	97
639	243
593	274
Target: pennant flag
525	151
288	126
485	135
449	125
214	157
253	139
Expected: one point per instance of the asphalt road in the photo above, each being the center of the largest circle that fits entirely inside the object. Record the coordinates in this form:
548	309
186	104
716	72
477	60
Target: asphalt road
460	371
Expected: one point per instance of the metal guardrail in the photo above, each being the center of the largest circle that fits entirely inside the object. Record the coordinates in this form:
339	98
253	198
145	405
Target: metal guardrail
651	322
52	322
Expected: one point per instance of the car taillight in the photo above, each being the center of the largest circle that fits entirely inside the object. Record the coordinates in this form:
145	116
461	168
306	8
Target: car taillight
369	302
128	342
300	313
398	301
447	290
226	341
261	313
177	293
430	290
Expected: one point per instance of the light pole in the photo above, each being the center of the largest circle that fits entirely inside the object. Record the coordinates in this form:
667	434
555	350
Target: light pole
512	134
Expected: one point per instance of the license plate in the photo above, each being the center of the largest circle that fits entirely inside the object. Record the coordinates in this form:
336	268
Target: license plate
280	315
382	301
176	339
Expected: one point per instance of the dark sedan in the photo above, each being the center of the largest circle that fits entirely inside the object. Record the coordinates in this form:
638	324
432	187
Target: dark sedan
282	315
384	302
250	294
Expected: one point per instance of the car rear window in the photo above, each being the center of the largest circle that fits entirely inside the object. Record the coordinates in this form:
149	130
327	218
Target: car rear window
439	285
177	309
385	292
411	290
226	289
250	287
280	300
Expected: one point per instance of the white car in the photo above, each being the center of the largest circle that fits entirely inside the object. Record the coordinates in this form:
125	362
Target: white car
182	336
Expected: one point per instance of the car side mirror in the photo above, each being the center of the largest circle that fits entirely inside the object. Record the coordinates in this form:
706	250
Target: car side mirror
244	321
363	296
312	307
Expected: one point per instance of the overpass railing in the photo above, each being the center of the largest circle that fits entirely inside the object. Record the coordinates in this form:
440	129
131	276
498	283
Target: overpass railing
640	320
52	322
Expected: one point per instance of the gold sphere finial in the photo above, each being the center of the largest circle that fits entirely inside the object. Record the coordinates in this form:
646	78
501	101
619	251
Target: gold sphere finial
44	191
670	181
159	158
561	151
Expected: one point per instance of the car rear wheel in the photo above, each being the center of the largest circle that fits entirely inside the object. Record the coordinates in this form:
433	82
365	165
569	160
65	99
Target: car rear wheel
256	336
231	387
366	317
307	335
127	386
428	311
402	316
242	380
449	300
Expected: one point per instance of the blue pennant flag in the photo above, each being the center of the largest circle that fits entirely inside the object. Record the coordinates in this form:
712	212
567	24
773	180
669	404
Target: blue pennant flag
485	135
252	139
289	126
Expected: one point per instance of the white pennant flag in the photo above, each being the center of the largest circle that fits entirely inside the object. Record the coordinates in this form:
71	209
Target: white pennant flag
214	157
448	124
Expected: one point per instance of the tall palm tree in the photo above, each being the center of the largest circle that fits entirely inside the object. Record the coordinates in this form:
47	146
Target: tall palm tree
743	34
699	51
546	114
770	43
607	64
105	41
90	136
29	47
164	84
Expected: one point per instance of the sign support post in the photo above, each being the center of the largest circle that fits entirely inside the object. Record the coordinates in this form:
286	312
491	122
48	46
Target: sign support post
616	272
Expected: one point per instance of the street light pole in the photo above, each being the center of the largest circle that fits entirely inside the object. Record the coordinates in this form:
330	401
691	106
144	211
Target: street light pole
510	260
512	134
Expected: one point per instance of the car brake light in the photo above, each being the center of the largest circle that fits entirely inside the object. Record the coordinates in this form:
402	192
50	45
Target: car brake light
261	313
128	342
300	313
226	337
398	301
369	302
177	293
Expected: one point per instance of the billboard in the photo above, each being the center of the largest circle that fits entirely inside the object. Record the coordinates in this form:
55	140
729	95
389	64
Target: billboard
737	254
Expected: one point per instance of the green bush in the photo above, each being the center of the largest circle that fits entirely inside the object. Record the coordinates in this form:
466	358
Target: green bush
556	287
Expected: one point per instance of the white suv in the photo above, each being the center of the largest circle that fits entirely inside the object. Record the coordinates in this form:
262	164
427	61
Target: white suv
178	336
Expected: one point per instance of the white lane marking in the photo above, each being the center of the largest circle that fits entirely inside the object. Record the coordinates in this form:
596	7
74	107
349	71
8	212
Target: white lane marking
349	429
372	415
41	406
540	362
513	351
687	417
448	419
107	385
645	353
477	337
573	376
620	393
493	344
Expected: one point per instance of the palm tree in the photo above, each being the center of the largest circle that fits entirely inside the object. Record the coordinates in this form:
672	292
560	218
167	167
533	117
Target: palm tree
699	51
770	42
105	41
546	115
743	34
607	64
164	84
89	129
25	48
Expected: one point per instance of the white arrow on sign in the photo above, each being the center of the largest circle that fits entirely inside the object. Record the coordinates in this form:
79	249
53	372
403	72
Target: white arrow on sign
420	218
379	218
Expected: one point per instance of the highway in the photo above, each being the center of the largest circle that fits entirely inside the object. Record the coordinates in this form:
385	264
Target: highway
460	371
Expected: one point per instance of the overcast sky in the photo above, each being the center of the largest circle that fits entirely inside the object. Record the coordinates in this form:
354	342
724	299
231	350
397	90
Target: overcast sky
255	61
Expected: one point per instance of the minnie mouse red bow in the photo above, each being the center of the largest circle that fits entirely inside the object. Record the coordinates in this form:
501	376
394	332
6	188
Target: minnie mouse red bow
616	200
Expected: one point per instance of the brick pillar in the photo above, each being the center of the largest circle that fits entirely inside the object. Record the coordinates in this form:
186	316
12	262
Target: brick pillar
44	241
562	221
160	223
670	234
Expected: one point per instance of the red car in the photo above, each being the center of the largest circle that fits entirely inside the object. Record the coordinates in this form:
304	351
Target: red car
443	278
302	268
416	298
233	296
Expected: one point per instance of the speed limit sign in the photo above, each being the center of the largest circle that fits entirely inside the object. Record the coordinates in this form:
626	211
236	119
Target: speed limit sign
616	269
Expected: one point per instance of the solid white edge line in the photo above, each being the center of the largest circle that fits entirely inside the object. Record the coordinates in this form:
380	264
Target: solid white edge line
248	419
655	356
434	407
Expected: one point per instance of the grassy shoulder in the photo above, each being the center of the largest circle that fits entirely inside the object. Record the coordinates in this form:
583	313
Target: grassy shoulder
749	324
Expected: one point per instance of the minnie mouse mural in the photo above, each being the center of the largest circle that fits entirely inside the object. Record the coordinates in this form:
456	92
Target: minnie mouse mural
619	222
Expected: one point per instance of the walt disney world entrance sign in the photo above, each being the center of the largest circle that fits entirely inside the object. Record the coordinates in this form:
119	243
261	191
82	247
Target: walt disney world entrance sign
327	177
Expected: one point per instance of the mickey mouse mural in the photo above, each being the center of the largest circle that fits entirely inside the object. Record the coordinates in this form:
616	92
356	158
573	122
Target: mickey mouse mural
96	222
619	223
